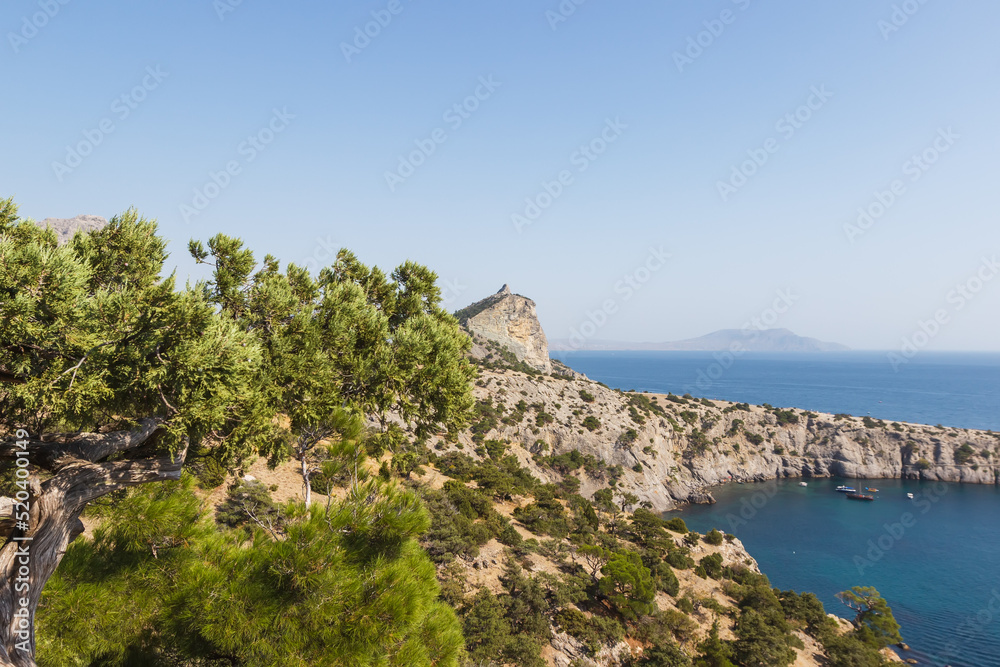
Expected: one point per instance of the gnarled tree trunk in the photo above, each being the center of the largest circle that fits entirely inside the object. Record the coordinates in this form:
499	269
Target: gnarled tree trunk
32	550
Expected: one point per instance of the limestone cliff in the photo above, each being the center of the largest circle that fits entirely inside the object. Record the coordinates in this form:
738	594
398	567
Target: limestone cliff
671	449
510	321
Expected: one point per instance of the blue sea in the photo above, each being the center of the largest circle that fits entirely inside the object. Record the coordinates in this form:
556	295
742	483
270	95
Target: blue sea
935	558
953	389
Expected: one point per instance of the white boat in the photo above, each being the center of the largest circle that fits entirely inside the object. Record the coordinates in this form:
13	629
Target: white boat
803	484
909	495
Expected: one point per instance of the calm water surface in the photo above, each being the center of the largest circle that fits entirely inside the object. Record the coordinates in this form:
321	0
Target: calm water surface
935	558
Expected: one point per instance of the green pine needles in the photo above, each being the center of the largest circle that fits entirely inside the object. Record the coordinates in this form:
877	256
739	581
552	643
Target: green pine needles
161	585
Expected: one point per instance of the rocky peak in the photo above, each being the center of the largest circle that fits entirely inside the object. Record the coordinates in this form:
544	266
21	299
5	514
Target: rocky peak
511	321
65	228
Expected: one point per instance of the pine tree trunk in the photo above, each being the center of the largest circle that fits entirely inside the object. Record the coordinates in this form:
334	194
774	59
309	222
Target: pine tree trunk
30	554
305	479
26	563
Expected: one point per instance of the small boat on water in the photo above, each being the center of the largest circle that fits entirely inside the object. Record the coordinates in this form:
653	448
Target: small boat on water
803	484
909	495
859	496
846	489
871	489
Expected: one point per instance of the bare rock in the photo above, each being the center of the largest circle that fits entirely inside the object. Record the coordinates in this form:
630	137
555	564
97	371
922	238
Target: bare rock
65	228
510	321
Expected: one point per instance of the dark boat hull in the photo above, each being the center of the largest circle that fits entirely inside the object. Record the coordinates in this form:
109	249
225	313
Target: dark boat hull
859	496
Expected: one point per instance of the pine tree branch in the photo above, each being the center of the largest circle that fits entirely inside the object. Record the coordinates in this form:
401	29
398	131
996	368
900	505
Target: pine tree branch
88	447
83	483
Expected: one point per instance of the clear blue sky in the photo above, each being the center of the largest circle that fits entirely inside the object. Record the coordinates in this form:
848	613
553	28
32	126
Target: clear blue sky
680	131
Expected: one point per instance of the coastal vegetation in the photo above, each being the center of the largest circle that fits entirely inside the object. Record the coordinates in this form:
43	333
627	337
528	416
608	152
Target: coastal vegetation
414	530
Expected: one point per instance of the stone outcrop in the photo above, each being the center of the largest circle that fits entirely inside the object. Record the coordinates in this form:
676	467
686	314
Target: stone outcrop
508	320
670	450
672	454
65	228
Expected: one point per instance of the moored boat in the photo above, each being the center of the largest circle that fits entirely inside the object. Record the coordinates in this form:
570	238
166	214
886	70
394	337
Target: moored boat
859	496
803	484
909	495
871	489
846	489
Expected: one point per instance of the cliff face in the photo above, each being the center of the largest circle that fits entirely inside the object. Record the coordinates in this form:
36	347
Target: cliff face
670	452
671	449
510	321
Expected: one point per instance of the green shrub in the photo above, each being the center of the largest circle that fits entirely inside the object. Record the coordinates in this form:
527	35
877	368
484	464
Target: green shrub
964	454
676	524
495	449
689	416
591	423
786	417
699	441
543	418
628	585
586	396
712	565
714	537
249	505
680	559
595	632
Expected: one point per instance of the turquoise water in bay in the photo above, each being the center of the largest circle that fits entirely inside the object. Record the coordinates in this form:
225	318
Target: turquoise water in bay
935	558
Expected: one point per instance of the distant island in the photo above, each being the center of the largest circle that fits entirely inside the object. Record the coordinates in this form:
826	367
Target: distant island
749	340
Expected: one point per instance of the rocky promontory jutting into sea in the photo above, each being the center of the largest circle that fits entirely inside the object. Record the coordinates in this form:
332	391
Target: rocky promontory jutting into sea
672	449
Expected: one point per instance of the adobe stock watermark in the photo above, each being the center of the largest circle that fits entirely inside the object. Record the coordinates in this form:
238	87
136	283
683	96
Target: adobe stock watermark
584	156
324	252
223	7
454	116
32	25
562	13
451	290
247	150
899	17
913	169
698	43
121	108
364	34
750	507
957	299
786	126
892	533
22	524
751	330
971	627
626	288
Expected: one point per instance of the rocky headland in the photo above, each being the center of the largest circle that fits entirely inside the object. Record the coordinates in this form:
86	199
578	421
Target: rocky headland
669	450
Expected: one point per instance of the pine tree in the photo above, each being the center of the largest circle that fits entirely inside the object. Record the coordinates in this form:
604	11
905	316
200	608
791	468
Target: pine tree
115	373
874	623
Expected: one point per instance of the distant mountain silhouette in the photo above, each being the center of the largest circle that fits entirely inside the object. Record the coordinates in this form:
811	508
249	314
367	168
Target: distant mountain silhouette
749	340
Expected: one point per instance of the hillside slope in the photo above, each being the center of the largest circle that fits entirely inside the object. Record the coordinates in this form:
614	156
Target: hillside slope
671	448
